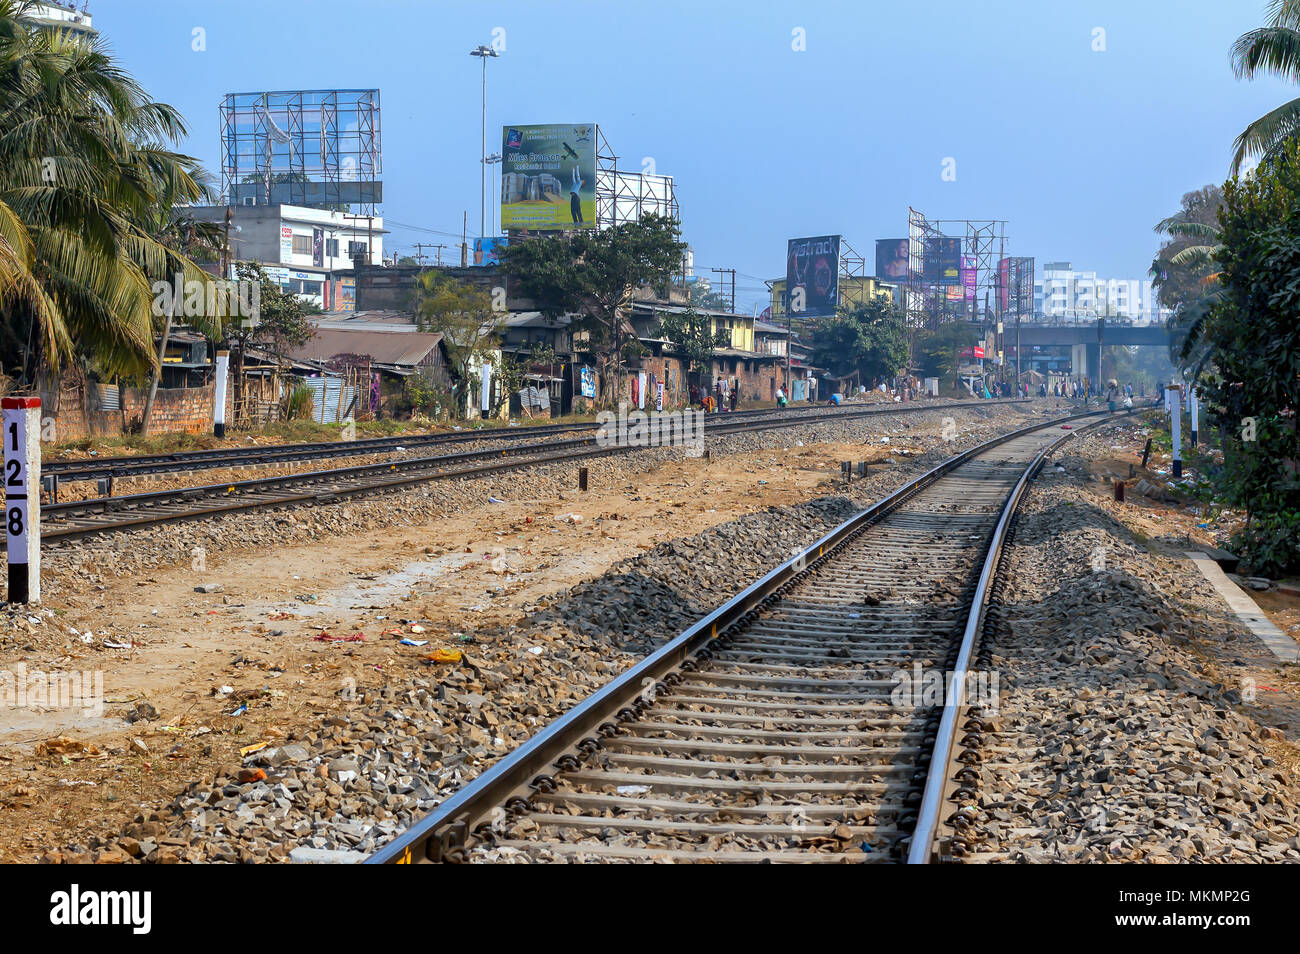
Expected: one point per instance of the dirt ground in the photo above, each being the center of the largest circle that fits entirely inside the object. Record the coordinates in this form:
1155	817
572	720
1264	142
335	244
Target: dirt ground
227	670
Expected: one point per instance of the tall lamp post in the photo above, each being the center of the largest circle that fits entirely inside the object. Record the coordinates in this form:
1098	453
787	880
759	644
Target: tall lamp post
483	52
494	160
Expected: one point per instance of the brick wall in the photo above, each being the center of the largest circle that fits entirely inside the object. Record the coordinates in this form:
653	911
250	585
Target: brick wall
77	412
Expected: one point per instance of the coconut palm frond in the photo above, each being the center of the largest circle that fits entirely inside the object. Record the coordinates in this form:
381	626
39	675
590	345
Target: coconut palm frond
1264	135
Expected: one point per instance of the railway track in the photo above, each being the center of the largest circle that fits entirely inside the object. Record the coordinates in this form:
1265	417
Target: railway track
104	468
773	730
76	519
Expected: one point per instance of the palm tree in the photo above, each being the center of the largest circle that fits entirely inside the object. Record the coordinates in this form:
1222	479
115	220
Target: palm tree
88	186
1273	48
1189	275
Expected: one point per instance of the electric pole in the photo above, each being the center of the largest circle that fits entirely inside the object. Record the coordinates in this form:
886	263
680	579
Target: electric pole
722	272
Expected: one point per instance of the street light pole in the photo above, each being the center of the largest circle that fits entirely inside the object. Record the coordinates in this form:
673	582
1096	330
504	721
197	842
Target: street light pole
483	52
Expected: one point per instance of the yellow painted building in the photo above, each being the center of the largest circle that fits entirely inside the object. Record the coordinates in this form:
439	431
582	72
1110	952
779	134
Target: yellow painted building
739	328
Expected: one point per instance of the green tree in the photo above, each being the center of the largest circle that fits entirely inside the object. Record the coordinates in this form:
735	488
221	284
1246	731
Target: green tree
692	336
1184	265
462	313
1271	49
938	351
707	298
869	338
594	275
1185	274
1251	382
87	187
281	325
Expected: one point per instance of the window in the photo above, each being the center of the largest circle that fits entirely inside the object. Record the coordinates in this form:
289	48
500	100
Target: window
356	248
332	248
302	244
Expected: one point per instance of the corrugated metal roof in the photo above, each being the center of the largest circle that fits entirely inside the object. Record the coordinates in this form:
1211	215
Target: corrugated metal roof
401	348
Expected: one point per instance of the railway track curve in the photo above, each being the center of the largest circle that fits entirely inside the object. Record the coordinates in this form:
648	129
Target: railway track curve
772	729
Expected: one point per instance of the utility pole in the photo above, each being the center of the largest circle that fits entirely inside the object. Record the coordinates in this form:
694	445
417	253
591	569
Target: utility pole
464	243
722	272
419	251
439	247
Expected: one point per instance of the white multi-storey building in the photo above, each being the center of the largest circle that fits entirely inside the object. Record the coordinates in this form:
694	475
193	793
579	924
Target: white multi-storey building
303	249
1063	292
60	17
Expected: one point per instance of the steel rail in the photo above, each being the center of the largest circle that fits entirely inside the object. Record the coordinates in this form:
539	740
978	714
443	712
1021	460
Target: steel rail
444	833
939	782
84	469
381	477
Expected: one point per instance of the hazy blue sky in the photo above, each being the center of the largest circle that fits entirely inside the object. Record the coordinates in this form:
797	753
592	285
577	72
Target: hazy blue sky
1081	151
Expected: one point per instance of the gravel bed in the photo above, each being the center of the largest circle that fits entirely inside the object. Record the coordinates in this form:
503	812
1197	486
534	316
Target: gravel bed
1117	738
380	759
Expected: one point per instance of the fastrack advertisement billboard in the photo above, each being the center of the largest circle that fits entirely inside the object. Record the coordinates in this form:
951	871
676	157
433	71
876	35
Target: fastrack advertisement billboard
812	276
548	177
891	260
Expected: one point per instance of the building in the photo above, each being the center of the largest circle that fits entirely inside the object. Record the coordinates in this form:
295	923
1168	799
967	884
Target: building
1064	293
64	17
309	252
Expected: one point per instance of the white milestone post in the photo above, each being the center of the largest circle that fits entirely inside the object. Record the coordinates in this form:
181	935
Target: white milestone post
485	395
22	468
1176	427
1194	405
219	394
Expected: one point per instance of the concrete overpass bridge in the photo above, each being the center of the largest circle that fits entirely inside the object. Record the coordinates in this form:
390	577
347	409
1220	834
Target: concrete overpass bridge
1085	339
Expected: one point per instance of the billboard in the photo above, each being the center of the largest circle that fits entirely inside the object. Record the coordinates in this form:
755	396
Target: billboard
942	260
891	260
812	276
969	275
318	247
487	251
1016	286
548	177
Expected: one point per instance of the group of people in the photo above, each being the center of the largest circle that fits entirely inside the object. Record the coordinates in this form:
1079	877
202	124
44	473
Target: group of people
1006	389
717	398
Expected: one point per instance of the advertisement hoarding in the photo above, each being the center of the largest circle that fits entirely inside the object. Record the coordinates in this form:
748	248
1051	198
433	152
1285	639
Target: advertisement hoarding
318	247
1016	286
548	177
487	251
891	260
812	276
942	260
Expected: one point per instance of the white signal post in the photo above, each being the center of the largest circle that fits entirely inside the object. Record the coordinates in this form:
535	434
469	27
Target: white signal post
1174	395
22	476
1194	405
219	394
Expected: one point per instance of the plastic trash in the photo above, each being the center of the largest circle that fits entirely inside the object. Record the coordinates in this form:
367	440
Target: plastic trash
415	642
495	500
445	656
